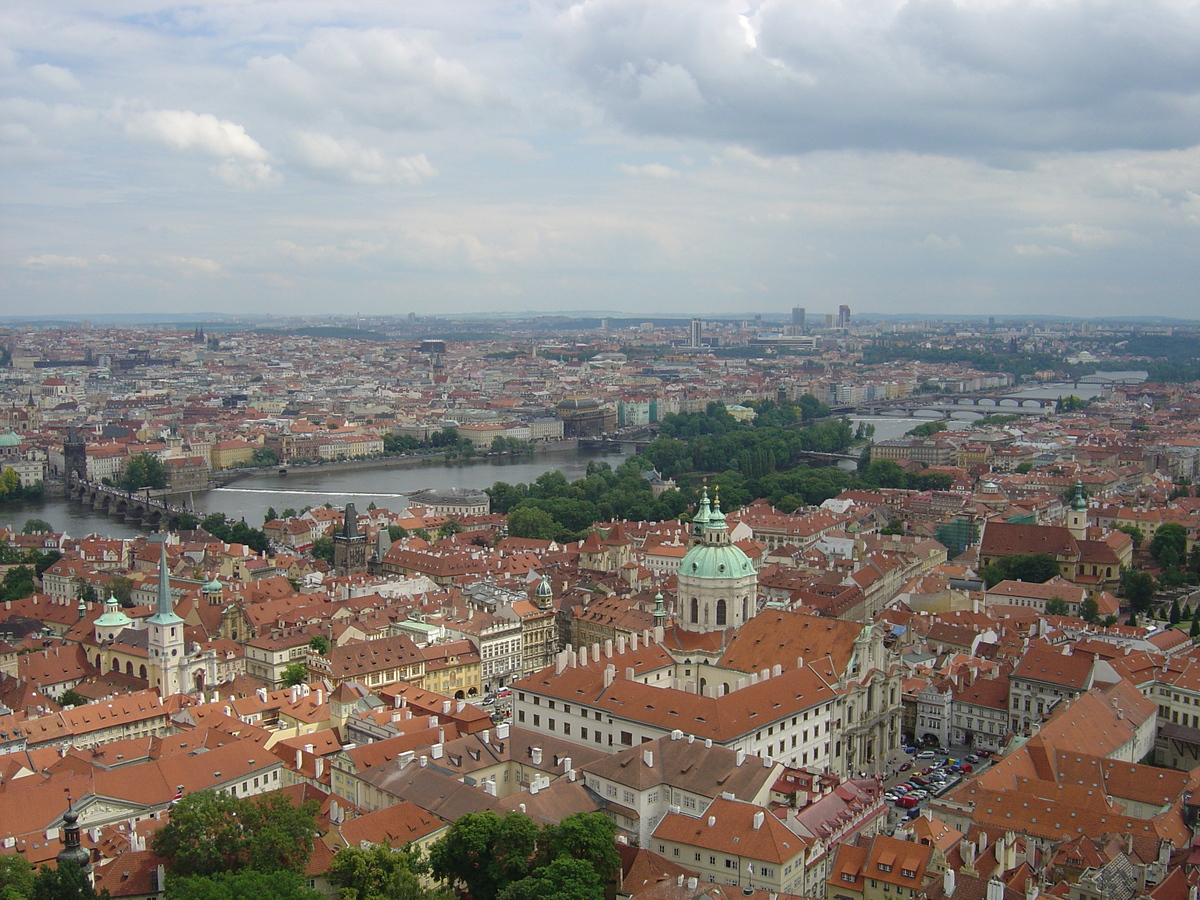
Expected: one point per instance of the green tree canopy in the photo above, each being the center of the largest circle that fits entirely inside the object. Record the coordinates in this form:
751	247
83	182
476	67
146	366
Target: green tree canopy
242	884
36	526
1036	568
1088	610
293	674
531	522
562	879
1169	545
16	877
1057	606
1138	588
142	471
1134	532
322	548
68	881
378	873
483	853
212	832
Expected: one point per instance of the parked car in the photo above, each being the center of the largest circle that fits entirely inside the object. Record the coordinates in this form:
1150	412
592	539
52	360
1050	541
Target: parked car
972	758
908	802
504	692
920	780
919	795
926	754
905	766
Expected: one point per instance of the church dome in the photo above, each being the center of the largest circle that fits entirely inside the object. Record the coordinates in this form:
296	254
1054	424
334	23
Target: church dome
715	561
113	617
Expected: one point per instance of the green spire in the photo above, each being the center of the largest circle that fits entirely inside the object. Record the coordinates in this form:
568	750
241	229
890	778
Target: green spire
164	610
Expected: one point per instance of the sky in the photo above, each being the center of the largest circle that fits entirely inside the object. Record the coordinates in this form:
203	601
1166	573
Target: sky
693	157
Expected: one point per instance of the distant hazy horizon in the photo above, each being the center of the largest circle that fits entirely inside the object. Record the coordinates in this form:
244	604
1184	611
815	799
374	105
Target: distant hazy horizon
693	157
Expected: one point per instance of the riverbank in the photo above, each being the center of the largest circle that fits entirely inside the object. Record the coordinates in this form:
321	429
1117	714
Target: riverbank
227	477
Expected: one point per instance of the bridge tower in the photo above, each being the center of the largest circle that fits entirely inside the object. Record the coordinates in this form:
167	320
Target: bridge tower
74	456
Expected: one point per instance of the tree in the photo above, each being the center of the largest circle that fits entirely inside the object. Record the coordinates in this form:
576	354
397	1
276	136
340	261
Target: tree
243	884
1174	616
36	526
1036	568
322	548
1194	632
1138	588
68	881
484	853
293	674
264	456
585	836
122	588
319	644
396	532
1169	545
1088	610
378	873
562	879
449	527
531	522
212	832
72	697
1057	606
16	877
142	471
270	515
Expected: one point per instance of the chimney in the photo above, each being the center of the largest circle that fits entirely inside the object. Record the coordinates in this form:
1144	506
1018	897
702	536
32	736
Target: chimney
633	642
759	818
629	673
712	820
648	758
692	882
583	656
620	643
299	759
995	889
502	731
537	756
741	757
608	648
566	763
948	883
485	735
320	766
436	751
423	761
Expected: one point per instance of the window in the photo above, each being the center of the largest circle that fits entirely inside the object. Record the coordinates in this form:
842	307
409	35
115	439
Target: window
712	861
695	610
626	738
550	722
697	856
566	727
721	612
652	797
729	863
520	715
627	796
537	721
582	733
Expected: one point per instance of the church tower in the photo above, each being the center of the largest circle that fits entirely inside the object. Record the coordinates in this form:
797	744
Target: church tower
165	640
717	583
350	545
1077	514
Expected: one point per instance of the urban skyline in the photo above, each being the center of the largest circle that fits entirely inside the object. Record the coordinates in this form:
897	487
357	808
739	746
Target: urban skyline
302	159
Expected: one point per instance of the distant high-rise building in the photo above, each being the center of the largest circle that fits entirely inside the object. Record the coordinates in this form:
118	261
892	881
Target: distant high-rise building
695	332
843	320
798	316
829	320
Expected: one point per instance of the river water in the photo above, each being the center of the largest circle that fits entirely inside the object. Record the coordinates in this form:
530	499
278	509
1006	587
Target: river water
315	486
251	497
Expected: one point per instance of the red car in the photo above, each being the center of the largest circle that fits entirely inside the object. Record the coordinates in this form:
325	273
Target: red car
904	767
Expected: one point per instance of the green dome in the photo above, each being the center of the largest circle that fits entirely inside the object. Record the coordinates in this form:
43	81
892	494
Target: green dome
715	561
112	617
9	439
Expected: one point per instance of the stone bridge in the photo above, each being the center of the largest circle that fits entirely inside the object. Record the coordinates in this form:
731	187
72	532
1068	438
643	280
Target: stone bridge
946	404
141	508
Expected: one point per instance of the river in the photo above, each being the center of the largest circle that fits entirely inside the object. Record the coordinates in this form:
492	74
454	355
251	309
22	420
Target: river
315	486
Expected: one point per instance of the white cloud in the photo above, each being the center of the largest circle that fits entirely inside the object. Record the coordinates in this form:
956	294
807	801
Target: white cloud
182	129
348	160
651	170
196	266
53	261
55	76
1040	250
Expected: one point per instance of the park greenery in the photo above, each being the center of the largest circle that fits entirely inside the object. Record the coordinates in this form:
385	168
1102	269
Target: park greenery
741	461
12	491
143	471
510	858
1037	568
234	532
